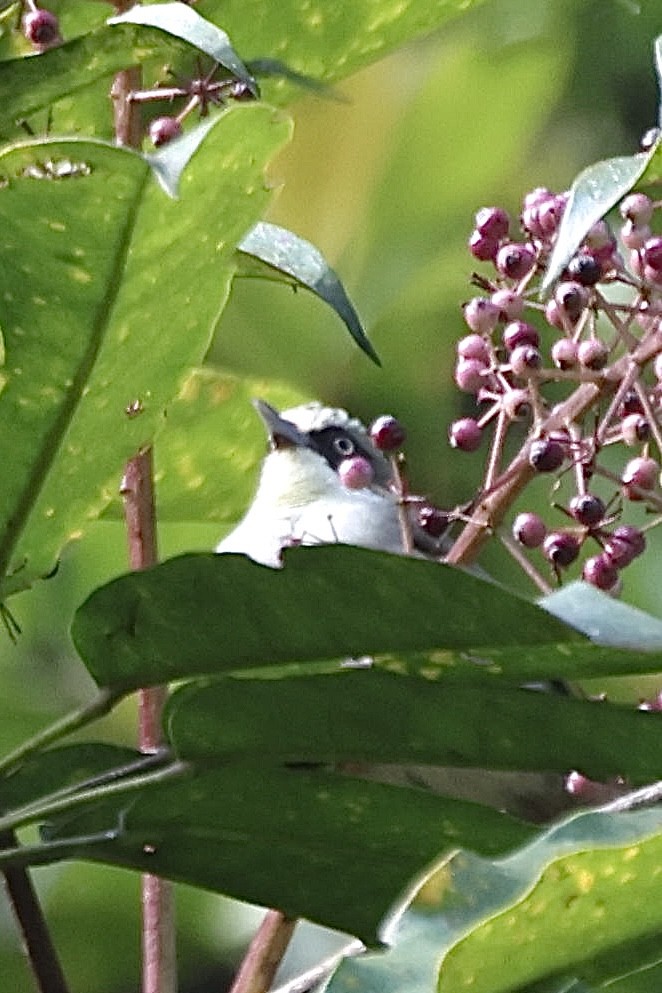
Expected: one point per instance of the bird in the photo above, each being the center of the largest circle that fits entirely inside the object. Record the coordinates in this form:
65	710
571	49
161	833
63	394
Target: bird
303	498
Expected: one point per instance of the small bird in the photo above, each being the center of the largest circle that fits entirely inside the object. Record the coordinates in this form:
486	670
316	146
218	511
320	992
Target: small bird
303	497
307	494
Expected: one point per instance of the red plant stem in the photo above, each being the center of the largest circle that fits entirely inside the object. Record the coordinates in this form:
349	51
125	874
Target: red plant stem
491	509
38	944
158	913
265	954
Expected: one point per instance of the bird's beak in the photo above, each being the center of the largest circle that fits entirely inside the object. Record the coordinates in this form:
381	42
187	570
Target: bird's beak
282	433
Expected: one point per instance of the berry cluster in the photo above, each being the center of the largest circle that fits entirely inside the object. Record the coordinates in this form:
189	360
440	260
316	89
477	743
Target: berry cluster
580	374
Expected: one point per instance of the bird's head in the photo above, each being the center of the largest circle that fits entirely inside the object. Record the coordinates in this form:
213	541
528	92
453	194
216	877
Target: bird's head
308	445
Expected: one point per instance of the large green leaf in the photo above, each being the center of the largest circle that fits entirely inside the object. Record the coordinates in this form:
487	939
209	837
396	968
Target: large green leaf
317	845
205	613
585	888
102	311
364	715
212	613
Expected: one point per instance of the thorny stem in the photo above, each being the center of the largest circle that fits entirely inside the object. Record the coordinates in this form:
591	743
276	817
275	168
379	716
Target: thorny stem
265	953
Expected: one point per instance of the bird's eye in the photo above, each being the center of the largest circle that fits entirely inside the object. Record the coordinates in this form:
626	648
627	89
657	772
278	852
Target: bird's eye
344	445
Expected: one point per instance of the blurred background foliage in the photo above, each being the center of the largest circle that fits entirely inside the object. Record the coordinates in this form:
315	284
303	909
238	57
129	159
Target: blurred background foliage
384	178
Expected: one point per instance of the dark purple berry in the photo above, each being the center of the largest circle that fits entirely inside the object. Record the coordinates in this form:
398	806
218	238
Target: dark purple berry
585	269
483	248
600	571
520	333
529	529
42	28
432	520
465	434
561	548
631	404
515	261
493	222
587	509
387	433
546	455
164	129
571	298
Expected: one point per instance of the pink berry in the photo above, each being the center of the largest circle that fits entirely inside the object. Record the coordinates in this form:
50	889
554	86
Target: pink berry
600	572
470	375
561	548
356	473
593	354
493	222
525	360
564	353
625	544
509	304
636	207
483	248
640	473
655	704
652	253
529	530
481	315
635	429
520	333
465	434
42	28
473	346
635	236
387	433
515	261
164	129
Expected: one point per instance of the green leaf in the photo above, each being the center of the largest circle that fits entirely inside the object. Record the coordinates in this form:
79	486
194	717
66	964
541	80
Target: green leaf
91	277
595	191
60	768
317	845
364	715
301	264
184	23
329	41
207	455
213	613
603	619
590	881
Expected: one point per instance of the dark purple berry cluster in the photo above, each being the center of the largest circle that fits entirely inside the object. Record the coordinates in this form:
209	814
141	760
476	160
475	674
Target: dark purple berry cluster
602	352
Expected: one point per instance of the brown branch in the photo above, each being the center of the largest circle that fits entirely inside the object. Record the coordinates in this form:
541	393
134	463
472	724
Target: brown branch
38	944
264	954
